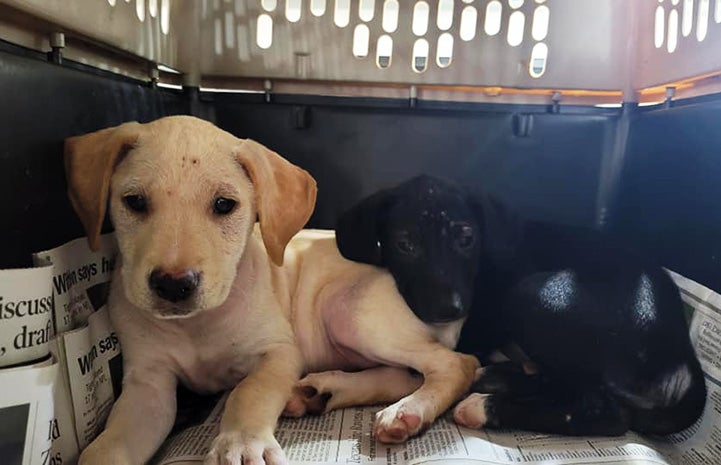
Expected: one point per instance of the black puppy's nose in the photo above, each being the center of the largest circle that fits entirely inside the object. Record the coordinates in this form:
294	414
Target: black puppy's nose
453	310
174	287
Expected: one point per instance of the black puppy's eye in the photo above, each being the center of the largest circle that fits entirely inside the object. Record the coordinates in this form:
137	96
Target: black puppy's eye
136	203
465	237
223	206
405	245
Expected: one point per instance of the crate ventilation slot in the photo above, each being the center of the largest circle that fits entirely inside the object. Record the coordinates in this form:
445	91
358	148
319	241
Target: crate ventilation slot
676	20
155	11
419	34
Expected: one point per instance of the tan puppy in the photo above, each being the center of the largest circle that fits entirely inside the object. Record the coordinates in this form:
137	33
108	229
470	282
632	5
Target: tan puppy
203	297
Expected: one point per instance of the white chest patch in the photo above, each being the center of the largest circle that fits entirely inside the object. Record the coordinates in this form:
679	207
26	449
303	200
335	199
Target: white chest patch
447	333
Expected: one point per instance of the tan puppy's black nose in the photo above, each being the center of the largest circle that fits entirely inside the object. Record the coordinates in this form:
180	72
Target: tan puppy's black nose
174	287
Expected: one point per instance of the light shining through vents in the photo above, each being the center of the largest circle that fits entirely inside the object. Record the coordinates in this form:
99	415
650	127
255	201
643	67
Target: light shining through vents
541	19
264	31
444	21
157	11
421	12
420	55
390	16
516	24
384	51
492	24
431	33
293	10
341	14
317	7
366	10
539	56
444	50
361	41
677	22
269	5
469	18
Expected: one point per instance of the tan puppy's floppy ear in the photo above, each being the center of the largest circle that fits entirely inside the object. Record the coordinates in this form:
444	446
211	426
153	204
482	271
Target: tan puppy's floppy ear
89	163
285	195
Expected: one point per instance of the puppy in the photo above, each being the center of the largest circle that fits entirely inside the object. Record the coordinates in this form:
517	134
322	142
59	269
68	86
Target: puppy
203	296
191	298
428	235
604	327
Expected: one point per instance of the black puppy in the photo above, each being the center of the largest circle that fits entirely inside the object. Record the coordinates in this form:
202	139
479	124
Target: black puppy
605	329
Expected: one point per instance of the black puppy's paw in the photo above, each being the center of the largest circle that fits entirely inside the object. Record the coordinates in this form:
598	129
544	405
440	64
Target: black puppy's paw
506	378
473	411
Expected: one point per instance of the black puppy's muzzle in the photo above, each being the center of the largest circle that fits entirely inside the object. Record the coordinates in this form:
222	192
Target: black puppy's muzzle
174	287
451	311
440	307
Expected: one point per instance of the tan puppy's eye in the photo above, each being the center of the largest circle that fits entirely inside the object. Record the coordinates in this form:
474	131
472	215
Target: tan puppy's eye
223	206
136	203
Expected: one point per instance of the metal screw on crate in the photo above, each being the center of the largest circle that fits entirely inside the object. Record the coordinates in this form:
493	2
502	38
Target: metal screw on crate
556	98
267	87
57	44
668	98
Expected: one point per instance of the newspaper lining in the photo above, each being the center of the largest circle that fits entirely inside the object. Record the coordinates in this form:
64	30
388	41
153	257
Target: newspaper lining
26	317
344	437
94	367
80	278
36	424
52	408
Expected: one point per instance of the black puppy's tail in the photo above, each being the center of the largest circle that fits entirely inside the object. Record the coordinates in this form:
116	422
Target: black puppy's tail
678	401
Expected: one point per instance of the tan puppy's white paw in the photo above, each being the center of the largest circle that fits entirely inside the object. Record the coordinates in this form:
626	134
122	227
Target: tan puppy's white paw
398	422
103	451
471	411
233	448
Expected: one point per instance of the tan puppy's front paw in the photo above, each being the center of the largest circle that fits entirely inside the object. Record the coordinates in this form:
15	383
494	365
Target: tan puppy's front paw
104	451
234	448
398	422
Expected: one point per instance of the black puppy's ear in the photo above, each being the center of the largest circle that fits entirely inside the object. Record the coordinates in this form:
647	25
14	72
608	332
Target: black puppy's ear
502	230
358	230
